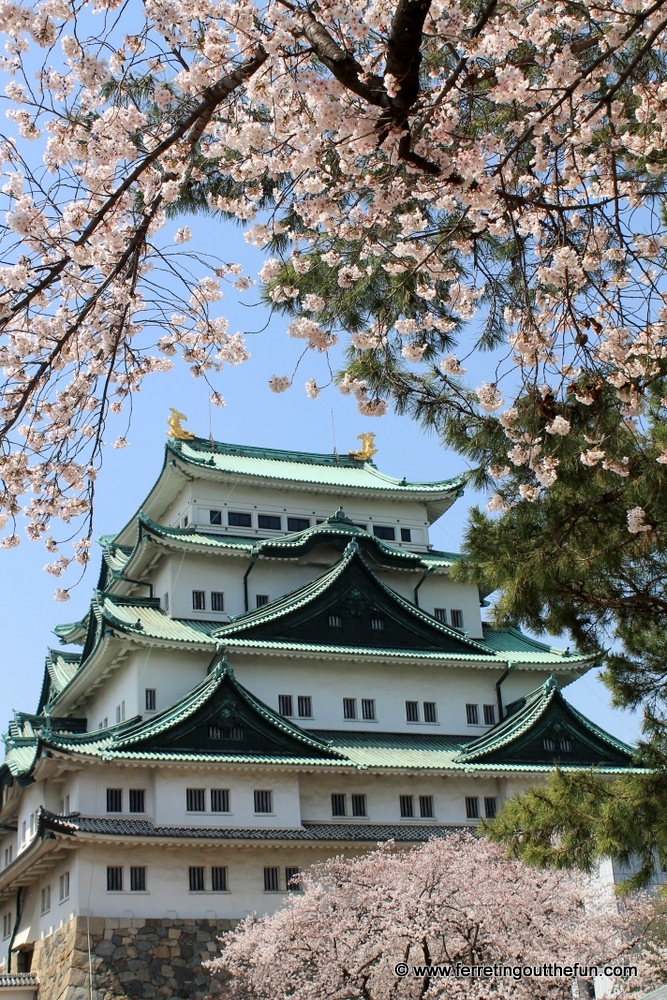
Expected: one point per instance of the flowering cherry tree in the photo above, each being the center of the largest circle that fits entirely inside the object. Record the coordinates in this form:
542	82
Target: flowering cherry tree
449	901
404	165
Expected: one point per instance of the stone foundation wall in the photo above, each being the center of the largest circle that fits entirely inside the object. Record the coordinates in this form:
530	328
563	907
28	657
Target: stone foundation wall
130	958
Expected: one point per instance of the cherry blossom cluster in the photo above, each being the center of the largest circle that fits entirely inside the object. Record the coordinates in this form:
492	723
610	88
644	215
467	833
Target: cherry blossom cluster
501	160
451	900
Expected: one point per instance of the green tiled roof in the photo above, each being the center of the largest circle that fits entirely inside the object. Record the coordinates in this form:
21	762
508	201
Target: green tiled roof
59	669
302	467
544	713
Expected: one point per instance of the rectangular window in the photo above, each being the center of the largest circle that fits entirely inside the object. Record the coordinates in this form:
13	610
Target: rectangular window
137	800
305	705
382	531
6	925
219	800
338	804
489	715
199	600
426	806
285	704
349	708
490	807
218	879
24	831
8	856
137	880
215	517
65	804
263	801
377	623
292	880
269	522
412	711
406	535
261	600
196	878
63	887
472	715
565	745
120	713
195	800
358	805
336	621
430	711
32	825
184	522
165	601
271	880
114	800
456	618
151	699
407	806
217	600
440	614
298	523
472	807
45	899
367	708
238	520
549	744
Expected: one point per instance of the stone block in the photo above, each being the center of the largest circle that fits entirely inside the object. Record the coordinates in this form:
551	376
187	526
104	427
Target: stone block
105	948
161	951
126	977
175	932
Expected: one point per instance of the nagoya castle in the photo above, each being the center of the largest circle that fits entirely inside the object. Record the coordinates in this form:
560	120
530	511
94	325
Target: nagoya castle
276	666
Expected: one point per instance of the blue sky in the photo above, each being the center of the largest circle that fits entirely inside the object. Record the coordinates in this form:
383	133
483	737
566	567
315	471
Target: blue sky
253	415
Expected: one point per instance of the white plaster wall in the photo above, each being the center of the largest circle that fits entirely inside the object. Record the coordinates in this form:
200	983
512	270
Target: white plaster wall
389	684
199	497
171	788
441	592
41	925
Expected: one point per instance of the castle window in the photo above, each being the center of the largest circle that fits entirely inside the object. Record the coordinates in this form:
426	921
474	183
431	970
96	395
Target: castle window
196	878
114	800
137	880
8	855
263	801
64	806
472	807
285	704
165	601
195	800
137	800
456	618
440	614
217	600
269	522
217	732
120	713
305	704
238	520
368	708
336	621
6	924
426	806
489	715
430	711
382	531
349	708
490	807
215	517
151	699
220	800
271	880
63	887
338	804
115	878
199	600
359	805
565	745
298	523
45	899
412	711
406	803
292	880
261	600
549	744
377	623
406	535
472	715
219	879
